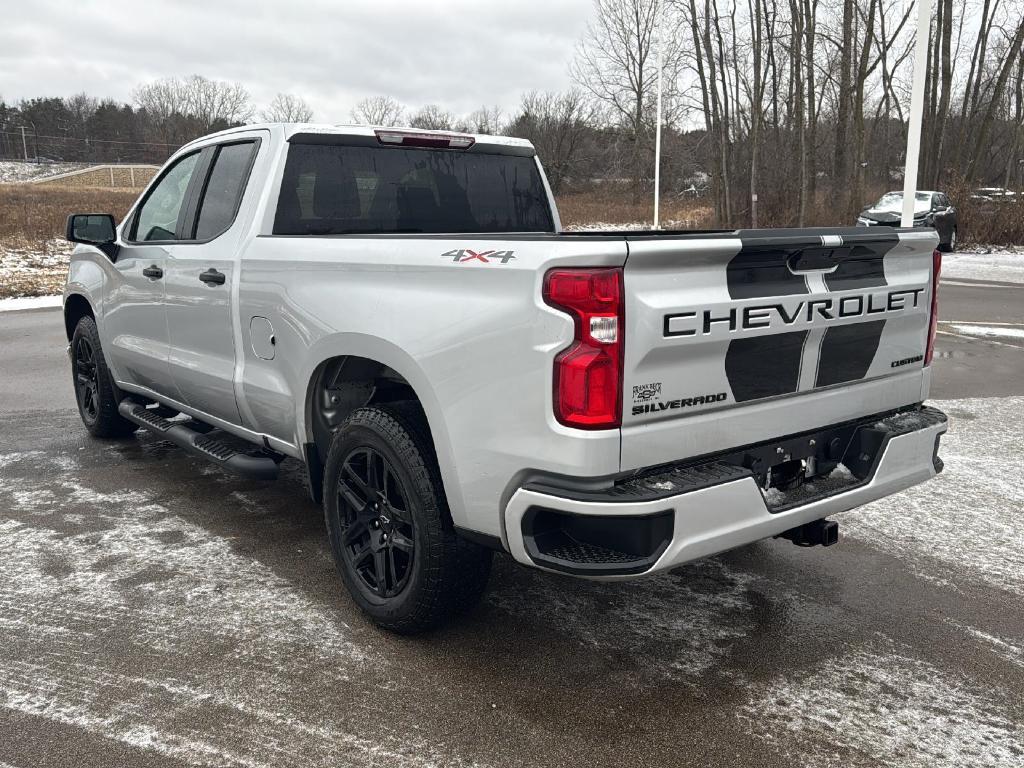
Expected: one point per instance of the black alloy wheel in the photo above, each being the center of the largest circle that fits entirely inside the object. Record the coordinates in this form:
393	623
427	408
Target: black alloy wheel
96	394
86	380
389	526
379	533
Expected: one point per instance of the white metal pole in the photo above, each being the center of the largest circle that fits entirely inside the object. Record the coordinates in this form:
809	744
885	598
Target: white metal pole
657	117
924	20
24	146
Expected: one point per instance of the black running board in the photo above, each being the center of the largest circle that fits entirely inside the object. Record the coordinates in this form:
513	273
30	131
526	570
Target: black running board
204	446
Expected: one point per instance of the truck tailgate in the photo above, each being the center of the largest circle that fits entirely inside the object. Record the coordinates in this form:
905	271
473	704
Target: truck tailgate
745	337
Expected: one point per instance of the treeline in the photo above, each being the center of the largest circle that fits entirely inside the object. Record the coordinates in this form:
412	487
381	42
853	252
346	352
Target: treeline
776	112
163	115
803	104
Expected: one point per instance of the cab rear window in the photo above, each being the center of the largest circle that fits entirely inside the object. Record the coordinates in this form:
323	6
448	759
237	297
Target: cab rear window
338	190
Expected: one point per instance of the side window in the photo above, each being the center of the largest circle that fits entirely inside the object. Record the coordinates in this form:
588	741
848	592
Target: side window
158	217
224	189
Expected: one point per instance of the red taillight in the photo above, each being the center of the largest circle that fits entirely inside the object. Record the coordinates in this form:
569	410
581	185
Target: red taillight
432	140
588	373
934	319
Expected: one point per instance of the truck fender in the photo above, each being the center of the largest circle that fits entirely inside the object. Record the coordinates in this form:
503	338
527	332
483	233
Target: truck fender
386	353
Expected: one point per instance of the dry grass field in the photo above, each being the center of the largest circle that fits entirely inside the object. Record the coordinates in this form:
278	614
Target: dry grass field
614	208
36	214
33	255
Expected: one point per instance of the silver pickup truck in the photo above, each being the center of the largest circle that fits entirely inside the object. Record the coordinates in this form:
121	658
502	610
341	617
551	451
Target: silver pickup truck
401	312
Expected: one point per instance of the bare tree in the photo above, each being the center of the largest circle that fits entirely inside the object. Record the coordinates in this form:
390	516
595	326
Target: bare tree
213	101
378	110
432	118
615	63
1009	61
557	124
287	108
841	167
207	103
489	120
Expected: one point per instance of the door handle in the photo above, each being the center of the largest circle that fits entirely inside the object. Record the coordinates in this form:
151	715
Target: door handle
212	277
153	272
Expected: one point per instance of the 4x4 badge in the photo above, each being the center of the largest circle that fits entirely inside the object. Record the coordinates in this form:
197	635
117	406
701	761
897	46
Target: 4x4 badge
462	255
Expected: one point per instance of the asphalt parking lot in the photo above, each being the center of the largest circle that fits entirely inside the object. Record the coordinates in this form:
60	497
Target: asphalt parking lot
156	611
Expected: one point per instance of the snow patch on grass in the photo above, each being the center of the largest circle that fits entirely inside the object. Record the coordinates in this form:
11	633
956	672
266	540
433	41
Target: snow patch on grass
33	269
605	226
15	172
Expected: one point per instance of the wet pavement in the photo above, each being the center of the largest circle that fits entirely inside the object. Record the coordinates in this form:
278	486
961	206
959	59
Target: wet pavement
157	611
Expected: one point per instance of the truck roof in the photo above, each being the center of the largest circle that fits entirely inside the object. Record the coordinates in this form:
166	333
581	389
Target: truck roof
341	129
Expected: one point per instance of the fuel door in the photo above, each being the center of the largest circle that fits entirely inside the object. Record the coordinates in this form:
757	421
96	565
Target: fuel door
261	334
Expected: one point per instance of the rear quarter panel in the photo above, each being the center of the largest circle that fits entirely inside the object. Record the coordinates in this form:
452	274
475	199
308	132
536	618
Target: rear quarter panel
472	337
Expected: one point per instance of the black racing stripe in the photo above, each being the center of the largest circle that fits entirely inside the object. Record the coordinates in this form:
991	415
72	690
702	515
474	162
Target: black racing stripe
760	271
847	352
861	267
764	366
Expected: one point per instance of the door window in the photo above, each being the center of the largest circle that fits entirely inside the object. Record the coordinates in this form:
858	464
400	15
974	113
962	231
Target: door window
224	189
158	216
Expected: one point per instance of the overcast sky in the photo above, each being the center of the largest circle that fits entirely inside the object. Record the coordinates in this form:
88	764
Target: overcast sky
456	53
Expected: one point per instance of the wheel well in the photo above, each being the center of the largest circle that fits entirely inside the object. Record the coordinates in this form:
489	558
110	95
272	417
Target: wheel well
75	308
343	384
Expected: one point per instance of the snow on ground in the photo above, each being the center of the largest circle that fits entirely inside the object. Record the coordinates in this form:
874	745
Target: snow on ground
15	171
80	563
988	331
29	302
1005	265
604	226
1002	647
33	269
871	708
687	619
964	523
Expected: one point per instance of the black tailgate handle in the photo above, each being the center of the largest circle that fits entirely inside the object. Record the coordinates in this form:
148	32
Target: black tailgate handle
820	258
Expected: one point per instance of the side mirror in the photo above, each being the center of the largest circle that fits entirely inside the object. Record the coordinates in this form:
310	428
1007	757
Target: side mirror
96	229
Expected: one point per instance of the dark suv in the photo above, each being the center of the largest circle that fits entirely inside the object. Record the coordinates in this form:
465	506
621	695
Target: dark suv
931	209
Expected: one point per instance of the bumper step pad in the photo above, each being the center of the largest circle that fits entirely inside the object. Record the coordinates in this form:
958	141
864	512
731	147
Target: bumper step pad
259	467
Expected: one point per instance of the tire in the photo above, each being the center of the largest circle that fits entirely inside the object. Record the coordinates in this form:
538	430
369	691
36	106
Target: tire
96	394
401	560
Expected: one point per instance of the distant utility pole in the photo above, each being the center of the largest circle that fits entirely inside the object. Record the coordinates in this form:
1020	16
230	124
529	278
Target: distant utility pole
657	117
24	146
924	22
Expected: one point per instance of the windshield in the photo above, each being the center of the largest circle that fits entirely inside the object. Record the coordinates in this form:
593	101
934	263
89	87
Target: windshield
892	202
